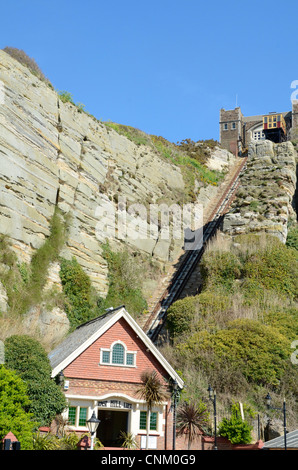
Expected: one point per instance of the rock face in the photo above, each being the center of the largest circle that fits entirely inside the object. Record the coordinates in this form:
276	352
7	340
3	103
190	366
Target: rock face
264	200
53	154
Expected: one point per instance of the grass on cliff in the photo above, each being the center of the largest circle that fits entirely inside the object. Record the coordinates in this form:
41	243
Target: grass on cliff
237	334
126	277
189	156
29	62
24	282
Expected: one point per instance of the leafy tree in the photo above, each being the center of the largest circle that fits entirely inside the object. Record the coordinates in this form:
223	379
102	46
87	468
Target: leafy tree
14	401
152	392
191	419
28	359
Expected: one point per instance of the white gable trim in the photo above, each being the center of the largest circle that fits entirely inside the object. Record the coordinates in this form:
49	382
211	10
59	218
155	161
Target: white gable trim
122	313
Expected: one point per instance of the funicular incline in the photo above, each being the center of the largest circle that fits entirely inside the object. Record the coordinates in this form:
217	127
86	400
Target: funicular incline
190	259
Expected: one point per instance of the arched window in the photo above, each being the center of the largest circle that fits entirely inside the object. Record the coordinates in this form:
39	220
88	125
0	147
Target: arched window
118	354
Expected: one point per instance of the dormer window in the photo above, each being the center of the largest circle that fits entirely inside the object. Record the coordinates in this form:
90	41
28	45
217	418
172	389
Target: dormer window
118	355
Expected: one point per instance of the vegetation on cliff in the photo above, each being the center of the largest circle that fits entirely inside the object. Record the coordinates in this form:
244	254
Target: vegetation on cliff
191	157
24	282
237	333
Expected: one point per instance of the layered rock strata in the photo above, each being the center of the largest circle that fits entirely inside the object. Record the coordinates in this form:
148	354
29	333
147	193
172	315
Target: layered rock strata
53	154
264	200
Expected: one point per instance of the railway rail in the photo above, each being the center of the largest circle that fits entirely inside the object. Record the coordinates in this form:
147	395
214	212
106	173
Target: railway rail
156	320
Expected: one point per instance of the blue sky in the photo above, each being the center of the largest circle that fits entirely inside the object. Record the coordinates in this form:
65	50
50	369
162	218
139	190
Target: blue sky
165	67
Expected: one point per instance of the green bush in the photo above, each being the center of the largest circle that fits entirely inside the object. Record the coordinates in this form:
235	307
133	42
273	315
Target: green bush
28	359
125	282
66	97
258	351
180	315
14	402
220	268
274	267
47	253
234	429
292	238
200	150
76	284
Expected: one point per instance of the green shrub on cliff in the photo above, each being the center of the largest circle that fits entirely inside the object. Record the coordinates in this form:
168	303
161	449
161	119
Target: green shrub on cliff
259	351
181	315
292	238
237	332
125	281
23	282
79	305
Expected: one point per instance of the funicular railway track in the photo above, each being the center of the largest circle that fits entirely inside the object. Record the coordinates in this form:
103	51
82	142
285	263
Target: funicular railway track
157	318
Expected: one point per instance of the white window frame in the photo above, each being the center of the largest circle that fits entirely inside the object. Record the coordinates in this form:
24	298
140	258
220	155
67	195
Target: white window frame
126	352
225	126
258	135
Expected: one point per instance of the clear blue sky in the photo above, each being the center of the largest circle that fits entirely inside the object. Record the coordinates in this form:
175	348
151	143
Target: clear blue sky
167	66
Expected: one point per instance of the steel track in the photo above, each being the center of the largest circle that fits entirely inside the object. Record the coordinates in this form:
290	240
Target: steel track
157	319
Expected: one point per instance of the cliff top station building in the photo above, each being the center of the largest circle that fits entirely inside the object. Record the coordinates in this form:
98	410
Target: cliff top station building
237	131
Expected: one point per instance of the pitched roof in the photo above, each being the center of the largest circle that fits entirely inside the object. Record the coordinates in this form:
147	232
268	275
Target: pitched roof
85	334
278	442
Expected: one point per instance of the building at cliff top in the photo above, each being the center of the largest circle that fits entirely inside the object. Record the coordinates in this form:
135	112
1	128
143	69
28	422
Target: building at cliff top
237	131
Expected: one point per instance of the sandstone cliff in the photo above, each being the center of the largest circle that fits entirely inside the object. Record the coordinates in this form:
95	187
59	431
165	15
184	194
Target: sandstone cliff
265	201
53	154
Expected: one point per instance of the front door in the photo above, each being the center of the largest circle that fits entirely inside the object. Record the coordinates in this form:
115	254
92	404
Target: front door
110	426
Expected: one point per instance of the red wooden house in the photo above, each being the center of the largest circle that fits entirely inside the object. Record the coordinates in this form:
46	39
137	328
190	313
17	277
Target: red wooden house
102	362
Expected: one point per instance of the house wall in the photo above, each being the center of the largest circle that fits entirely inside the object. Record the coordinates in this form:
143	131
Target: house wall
230	132
87	365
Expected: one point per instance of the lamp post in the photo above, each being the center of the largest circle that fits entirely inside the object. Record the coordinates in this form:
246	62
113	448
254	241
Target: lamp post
283	409
92	424
175	397
212	398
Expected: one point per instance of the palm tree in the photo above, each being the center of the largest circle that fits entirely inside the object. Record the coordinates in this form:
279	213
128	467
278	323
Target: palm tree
191	419
152	392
